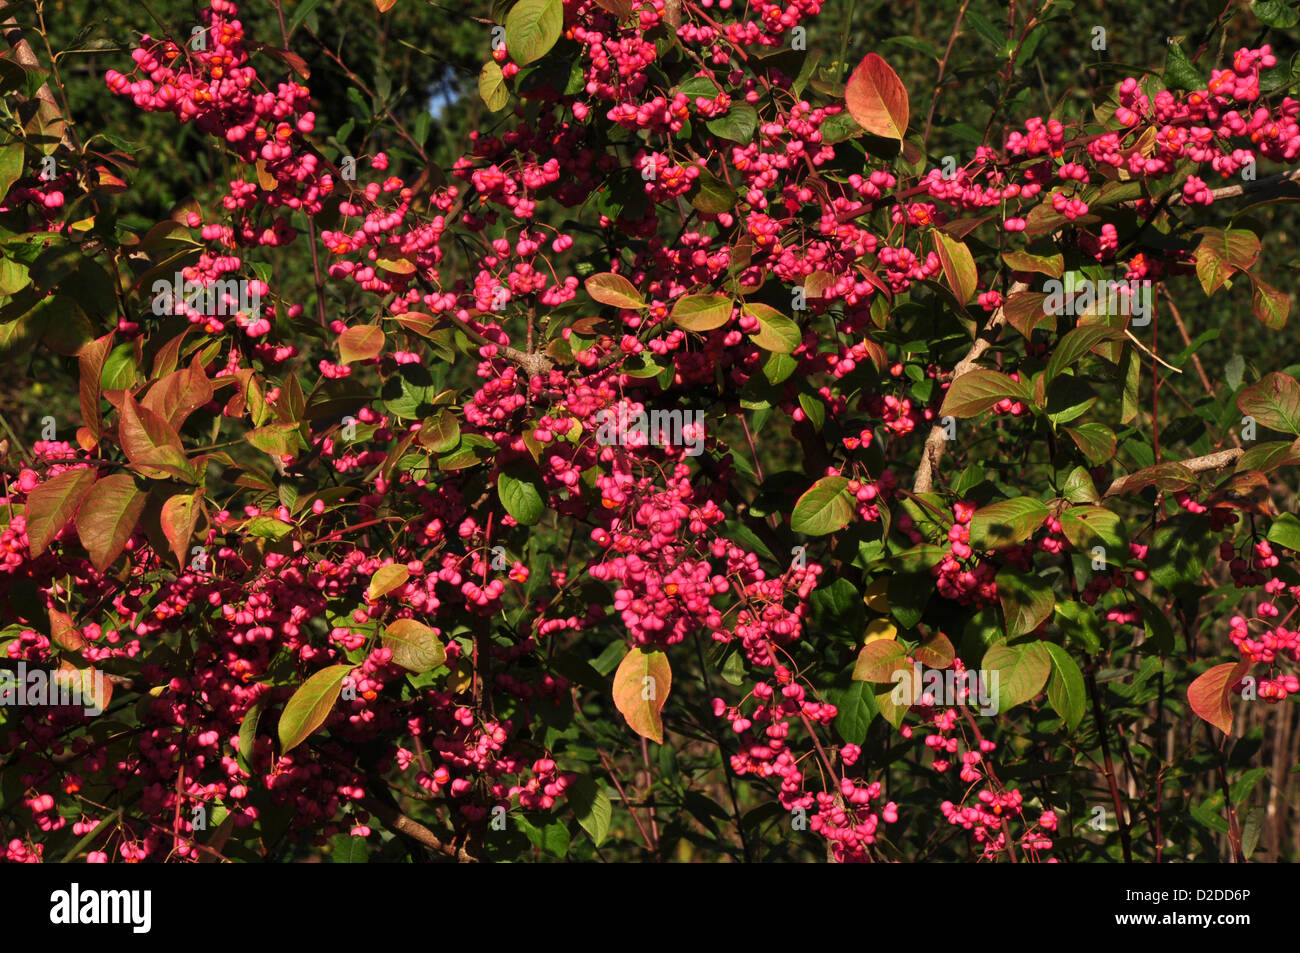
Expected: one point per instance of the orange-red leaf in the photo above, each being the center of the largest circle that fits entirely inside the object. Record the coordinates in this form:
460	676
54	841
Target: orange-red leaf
361	343
108	516
877	99
1210	695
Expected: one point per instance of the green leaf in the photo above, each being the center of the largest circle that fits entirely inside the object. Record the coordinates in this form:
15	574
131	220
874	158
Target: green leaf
1027	600
738	124
1281	16
813	409
1079	488
1155	624
1089	526
1022	671
711	195
11	166
824	508
267	527
522	493
908	594
440	433
311	705
775	332
532	28
1079	622
1069	398
1095	441
976	391
591	807
777	368
701	312
248	736
1006	523
840	127
855	705
1076	343
837	608
1253	826
409	393
1179	72
415	646
1234	371
492	87
1131	375
385	579
1053	266
346	849
1285	531
1066	692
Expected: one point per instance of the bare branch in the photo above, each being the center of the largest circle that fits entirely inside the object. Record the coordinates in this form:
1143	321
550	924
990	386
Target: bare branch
1211	461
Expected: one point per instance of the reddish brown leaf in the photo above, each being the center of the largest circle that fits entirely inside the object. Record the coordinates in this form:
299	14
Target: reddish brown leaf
1271	305
179	394
878	660
1024	312
936	651
150	442
169	355
179	515
51	504
108	516
64	633
958	266
90	361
